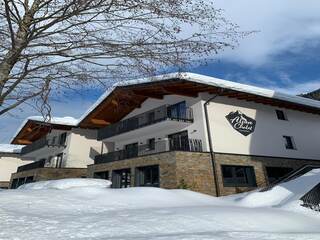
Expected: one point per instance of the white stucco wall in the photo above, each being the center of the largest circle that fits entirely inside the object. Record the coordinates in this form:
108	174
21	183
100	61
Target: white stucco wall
267	139
80	143
8	165
82	146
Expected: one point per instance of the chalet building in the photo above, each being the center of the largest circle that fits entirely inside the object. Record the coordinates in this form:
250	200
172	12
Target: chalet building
58	149
9	161
192	131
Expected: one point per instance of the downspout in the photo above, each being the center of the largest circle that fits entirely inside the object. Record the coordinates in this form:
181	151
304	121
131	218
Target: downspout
216	182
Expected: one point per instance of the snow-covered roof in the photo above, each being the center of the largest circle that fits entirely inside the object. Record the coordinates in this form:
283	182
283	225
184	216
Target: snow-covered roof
216	82
10	148
69	121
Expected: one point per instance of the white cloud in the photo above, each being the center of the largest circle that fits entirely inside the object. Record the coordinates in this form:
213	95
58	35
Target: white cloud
285	25
299	88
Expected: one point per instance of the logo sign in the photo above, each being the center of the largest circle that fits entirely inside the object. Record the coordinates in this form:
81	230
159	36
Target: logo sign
241	122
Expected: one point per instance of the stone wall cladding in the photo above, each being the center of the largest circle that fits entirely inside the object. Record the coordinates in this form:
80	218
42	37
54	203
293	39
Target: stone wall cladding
44	174
166	162
194	171
258	163
4	184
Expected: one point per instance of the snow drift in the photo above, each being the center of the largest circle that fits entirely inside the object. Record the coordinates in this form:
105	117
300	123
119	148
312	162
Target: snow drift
87	209
67	184
282	194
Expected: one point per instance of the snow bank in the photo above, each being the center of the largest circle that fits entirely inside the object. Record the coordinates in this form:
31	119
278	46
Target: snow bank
282	194
67	184
84	209
10	148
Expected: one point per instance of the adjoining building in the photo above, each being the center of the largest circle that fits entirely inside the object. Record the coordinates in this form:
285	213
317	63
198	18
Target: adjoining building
206	134
9	162
58	149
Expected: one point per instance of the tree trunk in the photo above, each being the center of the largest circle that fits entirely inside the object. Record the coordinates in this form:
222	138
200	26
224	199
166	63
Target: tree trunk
20	42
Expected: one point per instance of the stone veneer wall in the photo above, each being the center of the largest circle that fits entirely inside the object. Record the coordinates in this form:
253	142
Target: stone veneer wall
4	184
194	170
177	169
258	163
43	174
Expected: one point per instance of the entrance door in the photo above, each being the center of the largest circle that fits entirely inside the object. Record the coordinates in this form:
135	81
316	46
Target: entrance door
121	178
179	141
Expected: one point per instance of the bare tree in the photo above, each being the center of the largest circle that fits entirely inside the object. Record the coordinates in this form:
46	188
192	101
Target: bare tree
54	44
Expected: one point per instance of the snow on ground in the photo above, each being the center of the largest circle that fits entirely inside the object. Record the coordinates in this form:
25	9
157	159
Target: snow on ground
68	209
66	184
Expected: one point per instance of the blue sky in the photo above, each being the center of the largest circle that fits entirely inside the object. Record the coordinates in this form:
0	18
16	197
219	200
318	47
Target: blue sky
283	55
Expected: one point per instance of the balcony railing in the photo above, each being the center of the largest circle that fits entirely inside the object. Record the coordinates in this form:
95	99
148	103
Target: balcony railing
30	166
40	143
189	145
163	113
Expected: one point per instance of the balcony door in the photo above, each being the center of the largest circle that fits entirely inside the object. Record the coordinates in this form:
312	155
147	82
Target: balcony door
59	158
131	150
177	111
179	141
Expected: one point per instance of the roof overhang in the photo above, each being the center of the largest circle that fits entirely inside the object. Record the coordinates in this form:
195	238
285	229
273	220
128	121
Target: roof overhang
33	130
125	97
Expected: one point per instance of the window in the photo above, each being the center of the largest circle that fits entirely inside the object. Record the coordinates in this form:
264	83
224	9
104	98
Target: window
289	143
14	183
151	144
53	141
147	176
151	117
121	178
62	139
21	181
29	179
238	176
101	175
281	115
275	173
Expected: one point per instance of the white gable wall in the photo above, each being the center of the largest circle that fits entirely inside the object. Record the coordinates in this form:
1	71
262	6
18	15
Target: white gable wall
267	139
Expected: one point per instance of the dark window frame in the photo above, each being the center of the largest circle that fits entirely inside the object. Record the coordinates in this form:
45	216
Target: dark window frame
147	176
289	142
248	172
275	173
100	174
63	139
281	115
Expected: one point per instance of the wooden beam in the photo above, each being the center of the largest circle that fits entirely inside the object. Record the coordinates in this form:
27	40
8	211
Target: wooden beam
150	94
24	141
99	121
180	91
